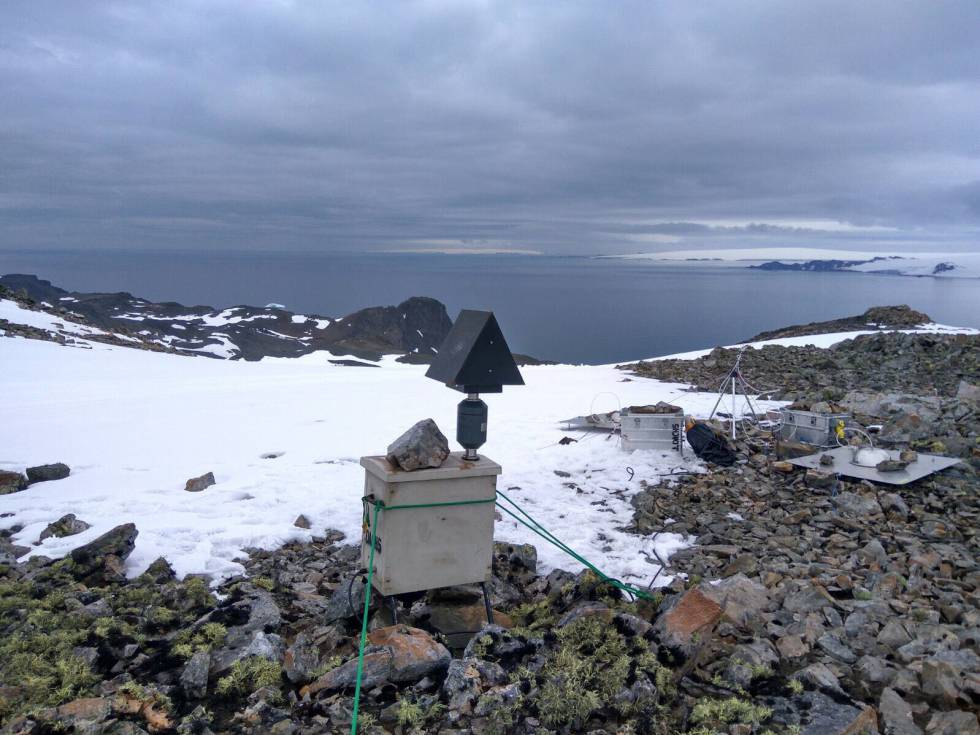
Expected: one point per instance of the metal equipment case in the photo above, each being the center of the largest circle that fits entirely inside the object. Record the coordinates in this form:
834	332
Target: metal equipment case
425	548
809	427
643	430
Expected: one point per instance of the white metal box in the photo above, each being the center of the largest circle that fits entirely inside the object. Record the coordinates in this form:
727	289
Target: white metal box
809	427
425	548
662	431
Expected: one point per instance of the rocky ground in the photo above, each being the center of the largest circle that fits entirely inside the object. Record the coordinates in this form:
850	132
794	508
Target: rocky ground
923	364
811	605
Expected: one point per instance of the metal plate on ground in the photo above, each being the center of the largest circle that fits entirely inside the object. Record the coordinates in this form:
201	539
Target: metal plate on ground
924	465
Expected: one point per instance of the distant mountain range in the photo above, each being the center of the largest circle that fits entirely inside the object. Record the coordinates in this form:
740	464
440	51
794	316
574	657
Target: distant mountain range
415	328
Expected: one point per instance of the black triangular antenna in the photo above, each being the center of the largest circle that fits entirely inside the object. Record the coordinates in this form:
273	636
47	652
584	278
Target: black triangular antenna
475	357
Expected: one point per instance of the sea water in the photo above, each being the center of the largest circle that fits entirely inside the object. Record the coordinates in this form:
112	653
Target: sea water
570	309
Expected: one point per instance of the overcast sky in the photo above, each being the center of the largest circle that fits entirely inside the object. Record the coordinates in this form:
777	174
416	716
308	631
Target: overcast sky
555	126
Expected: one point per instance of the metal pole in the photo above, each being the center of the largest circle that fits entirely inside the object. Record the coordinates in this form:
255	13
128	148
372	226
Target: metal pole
733	408
486	603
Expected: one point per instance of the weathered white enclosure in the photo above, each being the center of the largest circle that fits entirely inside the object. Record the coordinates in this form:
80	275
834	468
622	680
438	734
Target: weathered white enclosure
425	548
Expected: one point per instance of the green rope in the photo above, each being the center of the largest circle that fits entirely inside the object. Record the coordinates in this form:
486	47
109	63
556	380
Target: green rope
364	621
547	535
527	521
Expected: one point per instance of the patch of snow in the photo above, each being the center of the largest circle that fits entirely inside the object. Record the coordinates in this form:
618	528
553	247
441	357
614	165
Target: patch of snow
322	323
69	299
420	332
226	348
280	335
299	319
735	517
134	425
14	313
274	306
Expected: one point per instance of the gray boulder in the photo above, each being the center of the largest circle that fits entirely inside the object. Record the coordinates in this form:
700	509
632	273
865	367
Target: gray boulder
302	659
194	677
45	472
956	722
11	482
67	525
102	559
197	484
421	446
896	715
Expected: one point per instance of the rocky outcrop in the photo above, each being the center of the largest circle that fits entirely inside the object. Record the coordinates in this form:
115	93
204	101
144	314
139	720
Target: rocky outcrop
891	362
877	317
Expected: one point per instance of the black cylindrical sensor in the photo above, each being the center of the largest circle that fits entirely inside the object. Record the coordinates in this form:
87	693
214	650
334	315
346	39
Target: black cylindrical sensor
471	425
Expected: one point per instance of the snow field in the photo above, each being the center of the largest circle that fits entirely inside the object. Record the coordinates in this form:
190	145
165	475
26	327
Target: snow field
135	425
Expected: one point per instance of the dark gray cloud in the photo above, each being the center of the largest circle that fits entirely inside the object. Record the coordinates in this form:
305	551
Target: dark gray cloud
564	127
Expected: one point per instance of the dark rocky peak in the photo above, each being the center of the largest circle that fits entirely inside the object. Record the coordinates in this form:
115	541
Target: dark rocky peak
418	325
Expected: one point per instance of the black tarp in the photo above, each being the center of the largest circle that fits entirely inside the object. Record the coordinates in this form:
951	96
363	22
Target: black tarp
709	446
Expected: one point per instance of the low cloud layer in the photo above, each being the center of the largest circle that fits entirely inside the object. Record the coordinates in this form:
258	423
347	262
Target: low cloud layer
555	127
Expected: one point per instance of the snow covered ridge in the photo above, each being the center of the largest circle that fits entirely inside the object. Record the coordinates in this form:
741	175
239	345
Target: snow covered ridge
942	265
416	326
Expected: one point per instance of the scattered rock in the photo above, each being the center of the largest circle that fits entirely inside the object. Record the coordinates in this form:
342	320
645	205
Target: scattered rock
687	619
194	677
11	482
197	484
956	722
896	715
46	472
67	525
102	560
421	446
302	522
397	654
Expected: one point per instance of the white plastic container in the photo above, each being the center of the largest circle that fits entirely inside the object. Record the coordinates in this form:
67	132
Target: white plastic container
426	548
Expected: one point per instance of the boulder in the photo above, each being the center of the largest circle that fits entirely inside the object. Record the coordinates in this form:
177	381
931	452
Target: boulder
302	521
67	525
687	620
856	506
741	599
421	446
969	391
194	677
11	482
397	654
102	560
956	722
46	472
302	659
197	484
896	715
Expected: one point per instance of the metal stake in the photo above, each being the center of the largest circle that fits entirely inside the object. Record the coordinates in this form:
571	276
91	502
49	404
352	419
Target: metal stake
486	603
